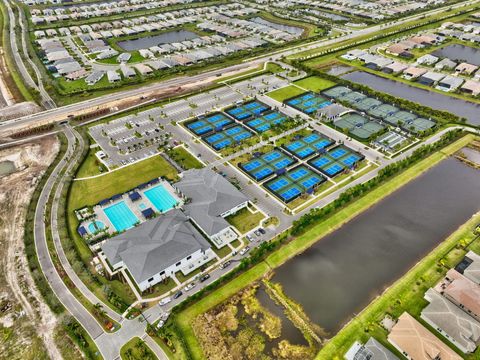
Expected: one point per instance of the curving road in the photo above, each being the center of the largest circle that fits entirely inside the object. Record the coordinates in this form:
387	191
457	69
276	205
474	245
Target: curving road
109	344
47	101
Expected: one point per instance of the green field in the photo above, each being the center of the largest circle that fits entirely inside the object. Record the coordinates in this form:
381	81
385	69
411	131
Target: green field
91	191
136	349
245	220
91	166
304	241
285	93
184	158
314	83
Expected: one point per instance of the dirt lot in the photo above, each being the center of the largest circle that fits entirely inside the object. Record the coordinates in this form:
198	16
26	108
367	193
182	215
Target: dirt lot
26	323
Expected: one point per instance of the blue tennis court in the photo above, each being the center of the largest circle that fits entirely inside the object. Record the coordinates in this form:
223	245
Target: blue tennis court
335	161
304	146
338	153
121	217
267	121
308	102
294	182
247	110
228	137
206	124
263	165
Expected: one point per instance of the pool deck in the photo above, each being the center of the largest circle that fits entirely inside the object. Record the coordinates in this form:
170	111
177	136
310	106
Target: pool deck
134	206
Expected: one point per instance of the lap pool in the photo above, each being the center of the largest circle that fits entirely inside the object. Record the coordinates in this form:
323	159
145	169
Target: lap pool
160	198
121	217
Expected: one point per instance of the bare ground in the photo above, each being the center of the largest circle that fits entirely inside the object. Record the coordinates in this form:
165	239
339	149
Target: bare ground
27	323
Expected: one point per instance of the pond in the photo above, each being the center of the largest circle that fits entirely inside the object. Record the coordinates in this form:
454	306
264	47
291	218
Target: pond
294	30
289	331
7	168
461	108
343	272
160	39
459	53
472	155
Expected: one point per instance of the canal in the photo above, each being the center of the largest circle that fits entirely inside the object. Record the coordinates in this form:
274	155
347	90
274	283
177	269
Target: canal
461	108
156	40
343	272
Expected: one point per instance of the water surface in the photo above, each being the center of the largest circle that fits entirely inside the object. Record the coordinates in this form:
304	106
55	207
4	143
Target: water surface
338	276
156	40
461	108
459	53
294	30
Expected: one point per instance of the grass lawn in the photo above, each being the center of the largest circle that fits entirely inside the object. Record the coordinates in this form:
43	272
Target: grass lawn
160	288
91	191
184	158
222	252
304	241
136	348
285	93
245	220
314	83
90	166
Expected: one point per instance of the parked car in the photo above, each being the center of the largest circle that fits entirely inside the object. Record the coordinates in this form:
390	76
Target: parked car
225	264
262	231
249	237
205	277
160	324
177	294
244	250
165	301
189	286
257	232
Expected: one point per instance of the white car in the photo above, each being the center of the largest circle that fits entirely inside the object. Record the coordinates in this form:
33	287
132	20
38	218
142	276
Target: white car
189	286
244	250
164	301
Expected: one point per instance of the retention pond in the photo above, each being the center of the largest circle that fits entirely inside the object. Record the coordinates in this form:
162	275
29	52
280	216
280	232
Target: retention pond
339	275
461	108
160	39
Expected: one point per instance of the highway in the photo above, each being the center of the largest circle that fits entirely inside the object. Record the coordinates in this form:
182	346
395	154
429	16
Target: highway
62	113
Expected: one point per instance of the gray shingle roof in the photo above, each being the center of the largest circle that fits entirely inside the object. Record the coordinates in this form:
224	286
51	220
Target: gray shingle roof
460	326
155	245
211	195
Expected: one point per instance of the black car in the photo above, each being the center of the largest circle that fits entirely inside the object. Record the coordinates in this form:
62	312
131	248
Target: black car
177	294
205	277
262	231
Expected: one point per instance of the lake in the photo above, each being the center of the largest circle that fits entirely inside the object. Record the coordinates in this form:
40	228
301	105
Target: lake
459	53
160	39
466	109
343	272
294	30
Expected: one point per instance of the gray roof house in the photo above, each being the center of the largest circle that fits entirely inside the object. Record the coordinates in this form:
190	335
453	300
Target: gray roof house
212	198
450	83
451	321
156	248
372	350
471	269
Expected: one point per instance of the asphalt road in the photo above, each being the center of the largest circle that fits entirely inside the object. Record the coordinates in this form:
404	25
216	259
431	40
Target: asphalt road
62	113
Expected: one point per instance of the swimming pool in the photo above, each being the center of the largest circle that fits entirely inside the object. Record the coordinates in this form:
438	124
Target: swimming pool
96	226
160	198
120	215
